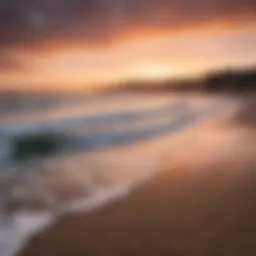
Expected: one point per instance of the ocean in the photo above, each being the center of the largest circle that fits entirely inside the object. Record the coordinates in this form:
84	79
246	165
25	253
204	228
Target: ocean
111	145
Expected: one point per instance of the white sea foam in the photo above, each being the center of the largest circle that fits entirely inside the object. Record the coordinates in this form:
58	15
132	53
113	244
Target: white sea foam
34	195
15	230
33	201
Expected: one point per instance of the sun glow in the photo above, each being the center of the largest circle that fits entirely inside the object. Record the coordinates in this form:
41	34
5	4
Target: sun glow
154	72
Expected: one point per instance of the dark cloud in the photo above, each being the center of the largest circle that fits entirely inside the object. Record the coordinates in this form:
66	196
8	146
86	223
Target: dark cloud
24	22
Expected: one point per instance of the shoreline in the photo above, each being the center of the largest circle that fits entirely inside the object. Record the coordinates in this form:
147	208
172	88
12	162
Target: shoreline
202	204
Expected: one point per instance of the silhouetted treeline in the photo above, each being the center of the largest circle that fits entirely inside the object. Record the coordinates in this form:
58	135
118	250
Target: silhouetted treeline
230	81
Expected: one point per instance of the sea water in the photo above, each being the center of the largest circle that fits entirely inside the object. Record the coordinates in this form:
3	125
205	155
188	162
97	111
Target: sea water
116	147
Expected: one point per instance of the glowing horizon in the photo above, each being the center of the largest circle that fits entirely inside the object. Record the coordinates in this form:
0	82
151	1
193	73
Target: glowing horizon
151	50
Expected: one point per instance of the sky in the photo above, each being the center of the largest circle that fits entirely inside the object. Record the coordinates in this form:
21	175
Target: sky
76	44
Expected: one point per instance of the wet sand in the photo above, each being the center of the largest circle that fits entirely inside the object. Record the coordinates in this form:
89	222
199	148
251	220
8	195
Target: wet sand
202	203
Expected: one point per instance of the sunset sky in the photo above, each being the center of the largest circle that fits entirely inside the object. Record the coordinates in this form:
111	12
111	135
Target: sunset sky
73	44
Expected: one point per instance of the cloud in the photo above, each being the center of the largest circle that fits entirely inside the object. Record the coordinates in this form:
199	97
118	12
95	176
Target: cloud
10	62
28	22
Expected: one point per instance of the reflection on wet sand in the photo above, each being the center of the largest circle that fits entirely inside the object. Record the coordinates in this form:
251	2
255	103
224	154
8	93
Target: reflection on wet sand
202	203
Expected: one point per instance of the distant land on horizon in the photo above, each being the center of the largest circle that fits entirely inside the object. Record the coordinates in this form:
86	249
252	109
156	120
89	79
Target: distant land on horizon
227	80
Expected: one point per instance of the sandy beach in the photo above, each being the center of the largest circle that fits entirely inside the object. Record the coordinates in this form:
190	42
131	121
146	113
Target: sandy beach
202	203
127	128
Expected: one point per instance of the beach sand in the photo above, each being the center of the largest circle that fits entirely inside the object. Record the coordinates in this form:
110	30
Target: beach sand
202	203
